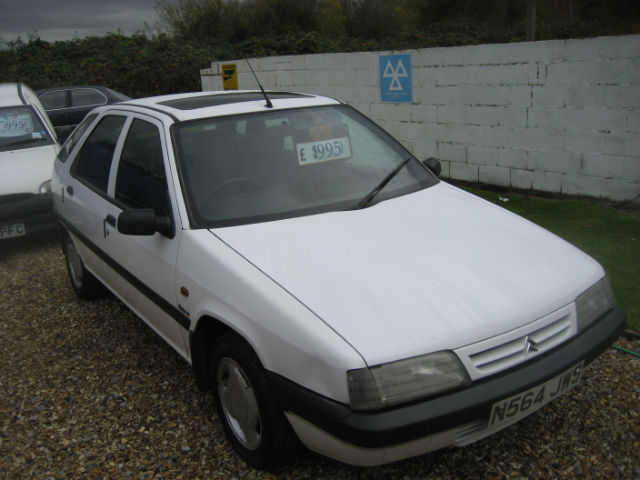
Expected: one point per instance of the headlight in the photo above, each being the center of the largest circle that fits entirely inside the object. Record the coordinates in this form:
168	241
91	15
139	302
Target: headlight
405	380
594	302
45	187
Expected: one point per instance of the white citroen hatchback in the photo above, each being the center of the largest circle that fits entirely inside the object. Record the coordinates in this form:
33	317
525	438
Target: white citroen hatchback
321	280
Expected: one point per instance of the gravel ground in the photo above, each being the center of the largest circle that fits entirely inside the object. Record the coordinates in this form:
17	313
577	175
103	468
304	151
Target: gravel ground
88	391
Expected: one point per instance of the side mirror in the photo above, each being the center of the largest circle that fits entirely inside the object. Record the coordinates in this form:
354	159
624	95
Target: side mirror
144	221
433	164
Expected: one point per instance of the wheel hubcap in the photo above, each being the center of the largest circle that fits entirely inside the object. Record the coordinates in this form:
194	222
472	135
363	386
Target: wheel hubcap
239	404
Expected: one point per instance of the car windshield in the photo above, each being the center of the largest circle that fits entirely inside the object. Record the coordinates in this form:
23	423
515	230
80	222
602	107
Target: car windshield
281	164
20	127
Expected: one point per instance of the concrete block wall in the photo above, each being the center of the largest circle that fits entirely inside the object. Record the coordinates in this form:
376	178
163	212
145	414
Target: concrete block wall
557	116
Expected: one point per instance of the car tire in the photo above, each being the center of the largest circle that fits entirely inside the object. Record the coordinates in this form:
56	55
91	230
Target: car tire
83	282
254	425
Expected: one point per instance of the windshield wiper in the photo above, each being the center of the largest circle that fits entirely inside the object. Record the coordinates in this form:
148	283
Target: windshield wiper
383	183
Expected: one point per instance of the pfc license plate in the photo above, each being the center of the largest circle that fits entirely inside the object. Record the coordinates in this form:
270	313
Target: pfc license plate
518	406
10	231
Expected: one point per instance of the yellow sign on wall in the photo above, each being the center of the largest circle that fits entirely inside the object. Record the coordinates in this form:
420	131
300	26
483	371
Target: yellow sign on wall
229	76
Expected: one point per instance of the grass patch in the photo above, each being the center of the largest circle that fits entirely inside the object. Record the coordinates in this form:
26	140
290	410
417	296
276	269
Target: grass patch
608	233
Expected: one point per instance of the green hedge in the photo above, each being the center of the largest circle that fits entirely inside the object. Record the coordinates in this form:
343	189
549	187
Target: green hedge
136	65
143	65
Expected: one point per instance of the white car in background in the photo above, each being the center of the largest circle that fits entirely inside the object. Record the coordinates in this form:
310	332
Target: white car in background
321	280
28	147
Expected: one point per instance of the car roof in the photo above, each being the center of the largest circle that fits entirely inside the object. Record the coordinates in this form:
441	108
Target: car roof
11	94
70	87
190	106
108	92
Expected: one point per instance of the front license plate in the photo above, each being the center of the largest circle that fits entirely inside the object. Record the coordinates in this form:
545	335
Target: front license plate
10	231
518	406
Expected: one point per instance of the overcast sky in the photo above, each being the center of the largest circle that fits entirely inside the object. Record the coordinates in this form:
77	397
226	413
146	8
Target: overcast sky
66	19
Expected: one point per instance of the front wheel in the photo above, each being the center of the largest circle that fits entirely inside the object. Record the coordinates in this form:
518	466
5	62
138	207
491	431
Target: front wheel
253	424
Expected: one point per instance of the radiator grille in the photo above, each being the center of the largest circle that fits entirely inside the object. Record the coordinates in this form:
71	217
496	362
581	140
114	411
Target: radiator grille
505	351
513	352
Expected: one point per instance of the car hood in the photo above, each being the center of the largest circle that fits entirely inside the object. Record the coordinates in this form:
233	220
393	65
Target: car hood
436	269
24	170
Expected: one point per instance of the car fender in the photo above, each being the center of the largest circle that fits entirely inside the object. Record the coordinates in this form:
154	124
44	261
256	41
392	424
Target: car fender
289	339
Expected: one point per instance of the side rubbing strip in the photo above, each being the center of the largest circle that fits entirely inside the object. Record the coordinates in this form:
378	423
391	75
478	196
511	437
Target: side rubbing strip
178	316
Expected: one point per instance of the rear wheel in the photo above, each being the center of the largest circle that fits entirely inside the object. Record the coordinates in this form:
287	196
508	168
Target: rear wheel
255	426
83	282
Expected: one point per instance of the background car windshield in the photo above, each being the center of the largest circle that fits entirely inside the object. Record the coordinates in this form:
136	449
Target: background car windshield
20	127
266	166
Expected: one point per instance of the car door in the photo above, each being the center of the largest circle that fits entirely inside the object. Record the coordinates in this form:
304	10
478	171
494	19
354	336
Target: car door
84	192
145	263
121	166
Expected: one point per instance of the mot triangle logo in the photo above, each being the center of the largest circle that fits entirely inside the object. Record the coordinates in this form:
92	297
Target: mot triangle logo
395	78
395	74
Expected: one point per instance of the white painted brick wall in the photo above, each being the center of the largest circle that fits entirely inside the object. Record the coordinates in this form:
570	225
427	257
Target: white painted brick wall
558	116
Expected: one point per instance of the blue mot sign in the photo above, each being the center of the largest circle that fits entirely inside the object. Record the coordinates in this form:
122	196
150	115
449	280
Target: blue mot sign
395	78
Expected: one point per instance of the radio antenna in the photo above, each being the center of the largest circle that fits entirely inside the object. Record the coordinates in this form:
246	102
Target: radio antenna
264	94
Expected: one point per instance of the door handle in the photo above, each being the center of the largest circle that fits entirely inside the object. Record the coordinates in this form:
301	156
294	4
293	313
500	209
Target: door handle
69	190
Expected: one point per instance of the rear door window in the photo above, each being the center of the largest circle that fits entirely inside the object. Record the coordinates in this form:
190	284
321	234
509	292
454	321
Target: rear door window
54	100
85	97
93	163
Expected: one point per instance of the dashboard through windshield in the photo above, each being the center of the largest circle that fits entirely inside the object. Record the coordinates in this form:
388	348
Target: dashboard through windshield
280	164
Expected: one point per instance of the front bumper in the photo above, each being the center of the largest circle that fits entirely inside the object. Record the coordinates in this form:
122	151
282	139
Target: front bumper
33	212
456	418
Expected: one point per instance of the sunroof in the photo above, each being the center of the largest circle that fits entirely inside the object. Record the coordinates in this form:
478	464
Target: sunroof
192	103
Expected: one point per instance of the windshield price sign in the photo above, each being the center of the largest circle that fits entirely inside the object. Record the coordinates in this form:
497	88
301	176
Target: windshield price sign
323	150
13	124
